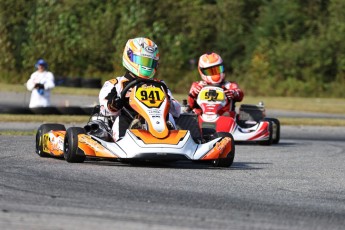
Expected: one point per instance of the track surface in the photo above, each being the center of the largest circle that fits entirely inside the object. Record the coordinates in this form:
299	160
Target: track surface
298	184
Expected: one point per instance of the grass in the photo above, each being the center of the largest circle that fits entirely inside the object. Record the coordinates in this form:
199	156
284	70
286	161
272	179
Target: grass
318	105
312	122
44	118
17	133
20	88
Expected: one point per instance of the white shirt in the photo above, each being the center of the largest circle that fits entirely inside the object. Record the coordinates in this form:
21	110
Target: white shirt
47	79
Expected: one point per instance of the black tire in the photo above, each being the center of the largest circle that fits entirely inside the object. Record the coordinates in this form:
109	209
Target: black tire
73	82
43	129
9	109
270	139
277	123
70	147
189	122
71	110
226	162
95	83
45	110
209	134
89	110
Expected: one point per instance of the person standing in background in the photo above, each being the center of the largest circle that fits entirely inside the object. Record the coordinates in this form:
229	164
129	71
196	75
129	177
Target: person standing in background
40	83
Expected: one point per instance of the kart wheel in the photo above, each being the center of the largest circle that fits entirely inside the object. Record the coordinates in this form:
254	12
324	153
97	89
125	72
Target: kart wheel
270	138
225	162
43	129
276	130
209	134
70	146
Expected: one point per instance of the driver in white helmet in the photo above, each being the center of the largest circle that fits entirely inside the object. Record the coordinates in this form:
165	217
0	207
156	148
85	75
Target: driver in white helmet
211	70
140	58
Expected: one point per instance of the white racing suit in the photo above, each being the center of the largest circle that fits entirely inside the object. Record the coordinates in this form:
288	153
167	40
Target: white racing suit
119	83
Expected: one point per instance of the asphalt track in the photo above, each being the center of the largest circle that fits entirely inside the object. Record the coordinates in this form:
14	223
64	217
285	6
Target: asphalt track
297	184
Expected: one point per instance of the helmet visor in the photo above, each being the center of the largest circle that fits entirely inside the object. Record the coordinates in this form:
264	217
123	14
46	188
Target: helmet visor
143	61
214	70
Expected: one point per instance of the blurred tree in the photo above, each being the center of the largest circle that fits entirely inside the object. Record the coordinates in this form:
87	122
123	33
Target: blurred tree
13	22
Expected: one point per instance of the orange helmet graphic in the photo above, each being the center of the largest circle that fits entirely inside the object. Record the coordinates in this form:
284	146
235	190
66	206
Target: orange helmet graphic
211	68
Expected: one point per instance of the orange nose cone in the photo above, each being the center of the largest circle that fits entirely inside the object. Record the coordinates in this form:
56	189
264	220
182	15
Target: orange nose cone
215	78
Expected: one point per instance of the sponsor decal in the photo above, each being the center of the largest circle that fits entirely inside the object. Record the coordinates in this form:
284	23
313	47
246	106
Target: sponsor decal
94	145
211	95
150	49
150	95
221	145
45	143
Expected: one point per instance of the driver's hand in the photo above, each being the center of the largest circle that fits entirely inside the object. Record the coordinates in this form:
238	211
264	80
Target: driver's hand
115	103
195	90
231	94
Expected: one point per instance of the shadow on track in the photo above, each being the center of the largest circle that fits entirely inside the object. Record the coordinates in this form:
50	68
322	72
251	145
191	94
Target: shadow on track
176	165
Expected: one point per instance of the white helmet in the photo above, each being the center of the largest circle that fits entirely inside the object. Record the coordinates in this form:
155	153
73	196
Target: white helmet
140	57
211	68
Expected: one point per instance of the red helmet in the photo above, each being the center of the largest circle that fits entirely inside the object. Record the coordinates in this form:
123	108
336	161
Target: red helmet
211	68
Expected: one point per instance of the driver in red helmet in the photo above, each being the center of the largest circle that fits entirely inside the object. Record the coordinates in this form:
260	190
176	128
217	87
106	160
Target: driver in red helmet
211	70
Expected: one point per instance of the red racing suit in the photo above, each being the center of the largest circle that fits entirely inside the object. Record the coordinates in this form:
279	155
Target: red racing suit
231	90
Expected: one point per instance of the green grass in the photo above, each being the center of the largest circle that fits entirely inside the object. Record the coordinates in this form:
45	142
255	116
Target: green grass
58	90
312	121
44	118
318	105
17	133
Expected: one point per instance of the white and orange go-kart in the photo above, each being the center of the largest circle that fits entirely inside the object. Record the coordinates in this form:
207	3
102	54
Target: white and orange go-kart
248	125
152	140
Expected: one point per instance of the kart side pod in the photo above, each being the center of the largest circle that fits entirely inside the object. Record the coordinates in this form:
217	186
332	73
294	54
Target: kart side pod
220	150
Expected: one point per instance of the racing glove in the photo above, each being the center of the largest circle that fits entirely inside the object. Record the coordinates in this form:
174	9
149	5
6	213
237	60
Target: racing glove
195	90
231	94
115	104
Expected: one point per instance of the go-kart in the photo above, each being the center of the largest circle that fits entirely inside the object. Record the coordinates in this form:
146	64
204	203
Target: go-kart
249	125
150	138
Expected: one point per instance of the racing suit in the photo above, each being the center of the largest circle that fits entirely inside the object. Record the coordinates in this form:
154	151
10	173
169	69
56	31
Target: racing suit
231	90
120	122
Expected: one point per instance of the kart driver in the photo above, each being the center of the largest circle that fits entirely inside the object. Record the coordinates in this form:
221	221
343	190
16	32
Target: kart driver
140	58
211	70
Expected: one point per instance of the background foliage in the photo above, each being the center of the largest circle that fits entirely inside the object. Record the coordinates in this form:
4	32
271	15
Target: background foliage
270	47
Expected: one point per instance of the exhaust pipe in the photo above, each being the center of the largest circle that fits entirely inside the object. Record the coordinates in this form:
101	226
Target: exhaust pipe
93	127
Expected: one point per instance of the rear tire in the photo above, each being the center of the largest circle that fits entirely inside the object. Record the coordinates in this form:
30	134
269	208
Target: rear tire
43	129
70	147
276	139
225	162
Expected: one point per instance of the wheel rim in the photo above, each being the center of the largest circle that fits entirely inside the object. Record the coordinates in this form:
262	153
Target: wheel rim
66	148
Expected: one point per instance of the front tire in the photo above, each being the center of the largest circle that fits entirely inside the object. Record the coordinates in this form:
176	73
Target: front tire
225	162
43	129
70	147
